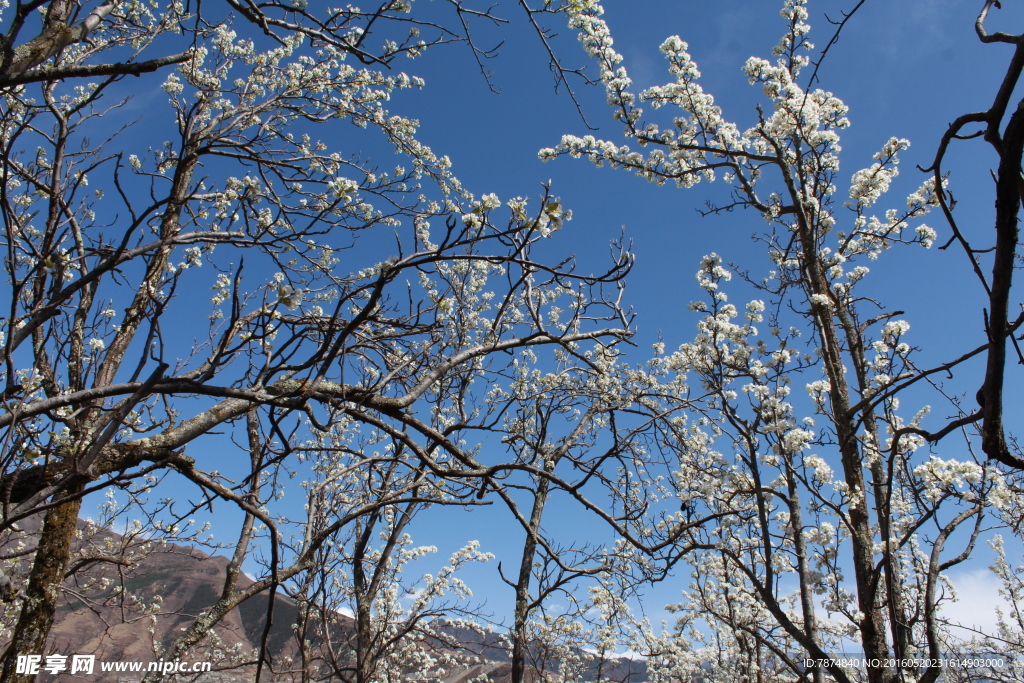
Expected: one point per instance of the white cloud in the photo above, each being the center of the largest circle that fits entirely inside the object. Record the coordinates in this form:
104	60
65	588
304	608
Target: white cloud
978	593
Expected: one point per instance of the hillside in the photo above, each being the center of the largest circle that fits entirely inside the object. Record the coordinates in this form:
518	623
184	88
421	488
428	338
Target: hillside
119	626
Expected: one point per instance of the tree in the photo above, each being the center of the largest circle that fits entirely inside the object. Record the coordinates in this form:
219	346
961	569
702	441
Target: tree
877	503
997	656
559	418
376	333
314	326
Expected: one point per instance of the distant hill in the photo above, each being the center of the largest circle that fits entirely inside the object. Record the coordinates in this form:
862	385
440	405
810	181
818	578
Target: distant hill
104	623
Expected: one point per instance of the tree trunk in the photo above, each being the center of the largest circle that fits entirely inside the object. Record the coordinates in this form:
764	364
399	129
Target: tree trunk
520	645
872	623
802	567
44	585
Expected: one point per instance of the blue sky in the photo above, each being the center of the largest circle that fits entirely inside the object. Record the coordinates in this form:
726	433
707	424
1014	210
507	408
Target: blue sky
905	69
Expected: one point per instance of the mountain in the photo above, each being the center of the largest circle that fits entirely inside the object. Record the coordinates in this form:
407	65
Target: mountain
176	583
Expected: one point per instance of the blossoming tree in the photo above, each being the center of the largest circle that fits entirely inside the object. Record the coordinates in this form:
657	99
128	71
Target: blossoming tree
238	216
393	341
837	512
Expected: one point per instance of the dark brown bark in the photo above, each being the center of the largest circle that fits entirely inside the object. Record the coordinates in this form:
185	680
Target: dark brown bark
802	568
44	585
520	642
1008	198
57	73
881	489
364	606
872	624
